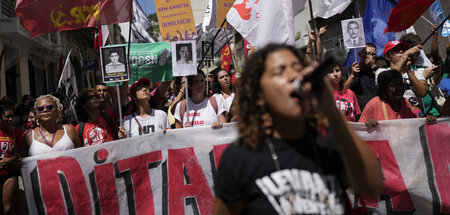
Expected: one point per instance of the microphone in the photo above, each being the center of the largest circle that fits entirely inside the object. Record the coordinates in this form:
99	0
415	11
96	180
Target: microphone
332	59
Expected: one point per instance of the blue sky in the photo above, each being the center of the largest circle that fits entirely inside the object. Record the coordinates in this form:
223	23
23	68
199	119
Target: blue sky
148	6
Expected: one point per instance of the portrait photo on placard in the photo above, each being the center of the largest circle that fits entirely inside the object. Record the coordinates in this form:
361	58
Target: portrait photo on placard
114	59
184	58
353	33
184	53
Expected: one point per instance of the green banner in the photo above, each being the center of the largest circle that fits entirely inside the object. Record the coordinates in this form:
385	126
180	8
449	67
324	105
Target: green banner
150	60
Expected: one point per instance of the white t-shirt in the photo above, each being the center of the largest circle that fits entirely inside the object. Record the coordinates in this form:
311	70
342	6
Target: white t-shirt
156	121
226	102
200	114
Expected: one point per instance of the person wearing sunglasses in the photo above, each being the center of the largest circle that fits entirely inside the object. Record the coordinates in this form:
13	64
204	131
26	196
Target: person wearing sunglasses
9	162
50	134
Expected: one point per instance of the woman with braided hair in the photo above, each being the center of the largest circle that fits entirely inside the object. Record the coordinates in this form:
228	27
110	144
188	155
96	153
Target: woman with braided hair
281	163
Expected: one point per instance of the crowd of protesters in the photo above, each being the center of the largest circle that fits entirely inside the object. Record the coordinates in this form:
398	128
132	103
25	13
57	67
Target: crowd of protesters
375	88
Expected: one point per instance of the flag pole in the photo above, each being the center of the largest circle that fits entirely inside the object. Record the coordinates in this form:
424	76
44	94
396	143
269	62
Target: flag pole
313	27
207	49
434	31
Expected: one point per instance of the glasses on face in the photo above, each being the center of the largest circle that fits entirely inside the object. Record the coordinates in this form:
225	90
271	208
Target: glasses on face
46	107
93	96
373	54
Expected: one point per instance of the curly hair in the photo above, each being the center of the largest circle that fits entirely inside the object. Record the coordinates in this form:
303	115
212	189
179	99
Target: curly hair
250	115
216	88
83	96
56	102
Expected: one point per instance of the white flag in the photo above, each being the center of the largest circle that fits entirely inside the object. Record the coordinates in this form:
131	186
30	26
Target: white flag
209	21
265	21
68	86
138	26
105	34
329	8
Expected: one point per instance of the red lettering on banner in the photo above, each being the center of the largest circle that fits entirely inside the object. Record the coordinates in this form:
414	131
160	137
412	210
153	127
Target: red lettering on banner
106	183
218	151
394	186
51	192
438	143
142	186
179	160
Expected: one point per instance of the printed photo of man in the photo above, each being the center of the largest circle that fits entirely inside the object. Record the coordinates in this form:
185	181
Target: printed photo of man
114	66
355	36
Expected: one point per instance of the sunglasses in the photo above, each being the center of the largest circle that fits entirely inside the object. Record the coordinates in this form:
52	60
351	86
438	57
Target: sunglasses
47	107
93	96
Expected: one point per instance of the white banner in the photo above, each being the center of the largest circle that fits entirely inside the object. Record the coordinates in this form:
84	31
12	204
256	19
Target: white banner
173	173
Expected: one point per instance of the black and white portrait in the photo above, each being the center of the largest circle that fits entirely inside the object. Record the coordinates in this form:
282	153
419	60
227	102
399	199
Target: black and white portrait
353	33
114	59
184	53
184	58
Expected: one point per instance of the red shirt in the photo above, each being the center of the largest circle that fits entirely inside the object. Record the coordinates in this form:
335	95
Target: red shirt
99	131
8	145
374	110
348	105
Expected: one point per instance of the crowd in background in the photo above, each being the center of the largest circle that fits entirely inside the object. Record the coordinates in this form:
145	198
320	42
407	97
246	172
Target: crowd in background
373	89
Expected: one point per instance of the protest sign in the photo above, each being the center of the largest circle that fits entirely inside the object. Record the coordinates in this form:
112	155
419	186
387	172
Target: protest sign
174	173
150	60
42	16
184	58
114	64
223	6
353	33
175	20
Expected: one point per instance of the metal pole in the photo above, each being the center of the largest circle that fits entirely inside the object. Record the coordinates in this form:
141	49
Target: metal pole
313	27
207	77
188	122
119	104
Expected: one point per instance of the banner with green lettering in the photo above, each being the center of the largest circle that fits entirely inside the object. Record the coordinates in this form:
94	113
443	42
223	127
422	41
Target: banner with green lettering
150	60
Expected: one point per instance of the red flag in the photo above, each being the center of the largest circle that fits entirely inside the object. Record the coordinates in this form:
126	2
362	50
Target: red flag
405	14
225	58
44	16
98	38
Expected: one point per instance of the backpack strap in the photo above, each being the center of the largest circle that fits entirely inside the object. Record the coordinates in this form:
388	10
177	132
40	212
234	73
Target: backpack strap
111	125
213	101
80	131
182	109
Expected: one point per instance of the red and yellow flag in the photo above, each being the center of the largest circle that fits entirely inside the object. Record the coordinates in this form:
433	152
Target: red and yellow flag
225	58
44	16
405	14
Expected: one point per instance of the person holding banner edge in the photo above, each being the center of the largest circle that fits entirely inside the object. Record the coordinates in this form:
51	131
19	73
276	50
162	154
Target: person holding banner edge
294	147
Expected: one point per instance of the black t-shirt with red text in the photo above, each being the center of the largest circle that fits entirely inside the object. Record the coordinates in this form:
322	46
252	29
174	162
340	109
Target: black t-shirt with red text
310	180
